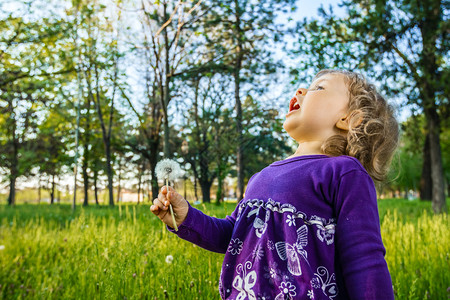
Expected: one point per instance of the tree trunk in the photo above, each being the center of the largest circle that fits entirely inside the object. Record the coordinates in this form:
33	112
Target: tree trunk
166	94
139	184
219	193
39	189
110	173
12	191
52	190
437	172
206	191
86	154
205	179
429	29
425	179
85	181
154	184
14	168
237	82
152	160
149	183
195	189
119	183
197	136
221	174
105	134
96	187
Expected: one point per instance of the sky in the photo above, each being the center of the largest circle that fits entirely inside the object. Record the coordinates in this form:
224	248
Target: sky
309	8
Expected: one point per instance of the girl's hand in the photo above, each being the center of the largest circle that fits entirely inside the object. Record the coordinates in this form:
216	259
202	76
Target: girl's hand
160	207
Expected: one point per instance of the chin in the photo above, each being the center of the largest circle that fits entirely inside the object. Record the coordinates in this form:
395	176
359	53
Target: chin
284	127
288	132
289	126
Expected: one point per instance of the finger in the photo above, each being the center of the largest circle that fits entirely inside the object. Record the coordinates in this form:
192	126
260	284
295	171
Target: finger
154	209
174	198
163	199
159	204
158	212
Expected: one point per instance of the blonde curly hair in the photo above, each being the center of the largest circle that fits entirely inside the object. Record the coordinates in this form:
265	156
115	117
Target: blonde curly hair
373	134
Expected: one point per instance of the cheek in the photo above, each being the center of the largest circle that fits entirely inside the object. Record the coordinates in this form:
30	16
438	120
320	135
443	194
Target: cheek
325	113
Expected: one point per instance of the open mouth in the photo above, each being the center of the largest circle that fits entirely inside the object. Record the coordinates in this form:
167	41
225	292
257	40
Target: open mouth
293	105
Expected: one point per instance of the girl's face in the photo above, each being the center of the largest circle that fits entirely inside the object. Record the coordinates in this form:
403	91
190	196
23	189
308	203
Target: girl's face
321	107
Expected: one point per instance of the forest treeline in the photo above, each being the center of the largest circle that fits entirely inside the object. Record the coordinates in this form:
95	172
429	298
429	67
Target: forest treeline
105	89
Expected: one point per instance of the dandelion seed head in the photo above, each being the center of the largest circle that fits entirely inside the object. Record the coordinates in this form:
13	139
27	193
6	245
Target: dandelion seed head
169	259
2	247
168	169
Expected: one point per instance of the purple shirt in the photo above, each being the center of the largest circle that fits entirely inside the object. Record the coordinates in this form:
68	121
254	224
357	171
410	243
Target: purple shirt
307	228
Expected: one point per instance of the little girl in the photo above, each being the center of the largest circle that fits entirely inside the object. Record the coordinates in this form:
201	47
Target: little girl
308	226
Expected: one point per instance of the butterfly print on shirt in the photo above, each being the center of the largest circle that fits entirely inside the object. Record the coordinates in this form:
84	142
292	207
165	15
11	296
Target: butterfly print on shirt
291	253
244	282
259	225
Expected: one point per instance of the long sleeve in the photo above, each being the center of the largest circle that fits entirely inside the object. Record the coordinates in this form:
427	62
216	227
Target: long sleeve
210	233
359	248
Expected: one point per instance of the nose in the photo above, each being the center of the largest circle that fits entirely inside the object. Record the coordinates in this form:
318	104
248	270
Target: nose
301	92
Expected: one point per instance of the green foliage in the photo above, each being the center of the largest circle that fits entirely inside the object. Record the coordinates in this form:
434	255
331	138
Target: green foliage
264	141
406	167
101	252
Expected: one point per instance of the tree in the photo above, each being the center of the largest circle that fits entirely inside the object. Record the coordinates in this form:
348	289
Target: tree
164	26
207	123
51	145
98	62
405	173
29	58
403	45
264	140
211	135
245	29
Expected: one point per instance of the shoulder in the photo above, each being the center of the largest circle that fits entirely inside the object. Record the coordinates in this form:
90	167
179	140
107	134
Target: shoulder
345	165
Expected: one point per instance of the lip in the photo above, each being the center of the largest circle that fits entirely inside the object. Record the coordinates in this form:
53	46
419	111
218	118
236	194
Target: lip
291	105
292	112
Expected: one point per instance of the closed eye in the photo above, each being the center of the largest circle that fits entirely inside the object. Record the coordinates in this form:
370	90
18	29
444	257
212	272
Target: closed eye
319	87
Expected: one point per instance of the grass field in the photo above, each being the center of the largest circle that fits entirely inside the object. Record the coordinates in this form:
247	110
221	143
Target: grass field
47	252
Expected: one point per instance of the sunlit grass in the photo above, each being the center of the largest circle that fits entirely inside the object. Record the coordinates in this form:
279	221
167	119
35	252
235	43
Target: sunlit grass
418	255
103	253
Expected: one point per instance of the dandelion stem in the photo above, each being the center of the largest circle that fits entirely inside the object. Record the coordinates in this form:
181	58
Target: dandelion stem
170	207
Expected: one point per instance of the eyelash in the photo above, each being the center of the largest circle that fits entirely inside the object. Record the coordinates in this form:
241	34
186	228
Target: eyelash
319	87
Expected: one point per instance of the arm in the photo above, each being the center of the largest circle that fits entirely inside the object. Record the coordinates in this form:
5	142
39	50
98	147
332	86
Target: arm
210	233
359	248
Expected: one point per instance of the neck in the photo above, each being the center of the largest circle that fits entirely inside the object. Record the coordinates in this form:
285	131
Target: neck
308	148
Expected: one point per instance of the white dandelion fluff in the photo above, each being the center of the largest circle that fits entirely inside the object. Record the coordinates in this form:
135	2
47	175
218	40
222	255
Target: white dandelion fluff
169	259
2	247
168	169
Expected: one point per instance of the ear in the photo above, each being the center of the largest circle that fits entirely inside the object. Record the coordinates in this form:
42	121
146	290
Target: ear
343	122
